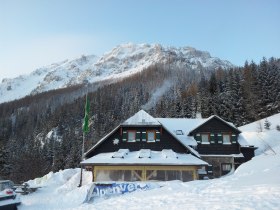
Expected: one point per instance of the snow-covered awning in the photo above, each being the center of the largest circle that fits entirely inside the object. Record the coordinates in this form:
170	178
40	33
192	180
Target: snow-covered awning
240	155
242	139
144	157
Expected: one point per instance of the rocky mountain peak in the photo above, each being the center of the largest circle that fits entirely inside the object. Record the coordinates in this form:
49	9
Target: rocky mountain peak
121	61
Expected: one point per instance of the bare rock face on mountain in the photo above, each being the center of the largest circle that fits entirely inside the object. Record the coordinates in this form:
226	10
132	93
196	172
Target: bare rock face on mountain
121	61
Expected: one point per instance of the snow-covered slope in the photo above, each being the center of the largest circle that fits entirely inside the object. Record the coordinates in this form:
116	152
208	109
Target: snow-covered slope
265	139
254	185
123	60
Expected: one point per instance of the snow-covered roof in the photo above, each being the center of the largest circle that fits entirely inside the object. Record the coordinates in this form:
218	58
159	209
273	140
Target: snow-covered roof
120	153
169	153
144	153
165	157
249	139
180	128
141	118
242	140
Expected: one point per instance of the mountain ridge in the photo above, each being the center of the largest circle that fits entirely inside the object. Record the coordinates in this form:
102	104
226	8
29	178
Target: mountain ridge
123	60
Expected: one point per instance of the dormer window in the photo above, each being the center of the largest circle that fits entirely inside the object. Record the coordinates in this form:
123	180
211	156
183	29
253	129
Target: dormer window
179	132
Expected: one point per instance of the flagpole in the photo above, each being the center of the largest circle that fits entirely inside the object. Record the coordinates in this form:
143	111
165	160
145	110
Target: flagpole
83	144
82	158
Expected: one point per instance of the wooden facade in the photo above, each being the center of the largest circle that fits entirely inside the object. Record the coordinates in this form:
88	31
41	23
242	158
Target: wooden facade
218	152
163	140
216	129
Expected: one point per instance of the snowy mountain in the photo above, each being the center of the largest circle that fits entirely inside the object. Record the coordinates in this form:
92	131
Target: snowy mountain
121	61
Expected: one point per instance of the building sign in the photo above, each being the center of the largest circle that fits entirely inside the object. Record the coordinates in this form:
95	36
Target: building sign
105	190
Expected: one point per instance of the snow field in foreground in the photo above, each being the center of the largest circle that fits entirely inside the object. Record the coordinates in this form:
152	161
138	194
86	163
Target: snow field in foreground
254	185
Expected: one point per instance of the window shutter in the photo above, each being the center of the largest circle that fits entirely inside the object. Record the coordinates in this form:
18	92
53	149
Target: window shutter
210	169
124	136
144	136
212	138
157	136
220	138
198	138
138	135
233	138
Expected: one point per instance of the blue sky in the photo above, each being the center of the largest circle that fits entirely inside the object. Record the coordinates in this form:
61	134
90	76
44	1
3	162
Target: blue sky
34	33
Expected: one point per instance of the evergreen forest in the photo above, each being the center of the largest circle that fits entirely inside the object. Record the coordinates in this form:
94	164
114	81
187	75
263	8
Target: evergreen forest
43	132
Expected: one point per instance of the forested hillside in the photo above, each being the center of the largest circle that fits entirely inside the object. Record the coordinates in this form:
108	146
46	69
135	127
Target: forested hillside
43	132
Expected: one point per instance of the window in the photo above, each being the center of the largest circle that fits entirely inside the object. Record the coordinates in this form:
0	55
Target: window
204	138
151	136
118	175
131	136
226	139
168	175
226	168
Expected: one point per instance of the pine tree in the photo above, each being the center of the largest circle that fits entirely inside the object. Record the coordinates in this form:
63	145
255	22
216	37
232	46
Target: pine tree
265	79
250	91
213	84
267	124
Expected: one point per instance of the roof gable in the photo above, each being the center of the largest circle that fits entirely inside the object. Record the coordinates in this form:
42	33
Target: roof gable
214	117
141	118
100	141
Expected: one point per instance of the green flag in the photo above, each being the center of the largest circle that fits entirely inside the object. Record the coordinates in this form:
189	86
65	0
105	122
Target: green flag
86	118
